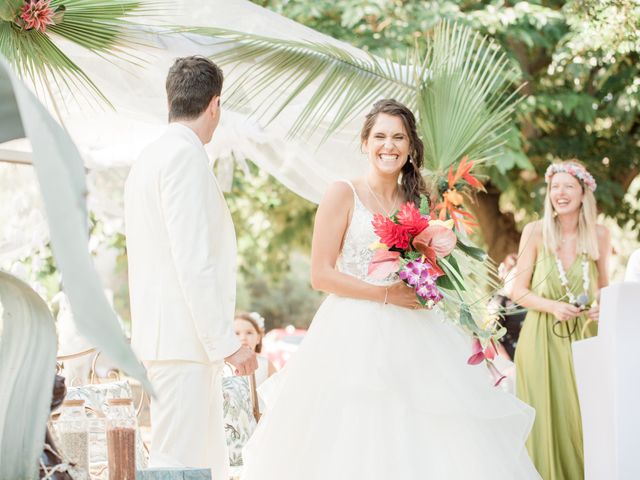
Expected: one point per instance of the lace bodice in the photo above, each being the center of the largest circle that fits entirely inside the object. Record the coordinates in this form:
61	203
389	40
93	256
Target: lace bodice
356	255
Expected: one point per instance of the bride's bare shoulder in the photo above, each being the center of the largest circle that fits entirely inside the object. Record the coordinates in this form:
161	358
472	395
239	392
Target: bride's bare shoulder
338	191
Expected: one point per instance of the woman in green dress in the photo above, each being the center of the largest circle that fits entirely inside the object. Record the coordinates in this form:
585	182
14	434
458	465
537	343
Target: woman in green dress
561	269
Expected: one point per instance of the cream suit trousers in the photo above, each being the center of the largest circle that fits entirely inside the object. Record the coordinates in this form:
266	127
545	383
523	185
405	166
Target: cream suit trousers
187	427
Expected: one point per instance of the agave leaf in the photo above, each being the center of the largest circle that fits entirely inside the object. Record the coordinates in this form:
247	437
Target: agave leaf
61	177
27	370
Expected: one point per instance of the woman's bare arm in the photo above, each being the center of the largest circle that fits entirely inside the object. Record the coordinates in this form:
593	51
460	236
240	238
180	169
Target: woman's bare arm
332	220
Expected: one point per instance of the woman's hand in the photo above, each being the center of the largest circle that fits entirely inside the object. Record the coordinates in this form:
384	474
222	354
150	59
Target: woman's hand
564	311
402	295
594	313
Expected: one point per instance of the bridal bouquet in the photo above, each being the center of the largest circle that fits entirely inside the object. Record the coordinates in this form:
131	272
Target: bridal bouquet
426	249
411	243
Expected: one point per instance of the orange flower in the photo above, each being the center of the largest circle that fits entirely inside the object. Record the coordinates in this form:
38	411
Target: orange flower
452	198
463	172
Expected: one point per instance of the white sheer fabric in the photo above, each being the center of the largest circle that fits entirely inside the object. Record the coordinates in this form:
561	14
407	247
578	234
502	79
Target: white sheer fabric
110	140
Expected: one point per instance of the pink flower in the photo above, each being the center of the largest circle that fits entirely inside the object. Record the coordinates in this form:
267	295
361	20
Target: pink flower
495	374
383	264
440	239
435	241
477	355
37	14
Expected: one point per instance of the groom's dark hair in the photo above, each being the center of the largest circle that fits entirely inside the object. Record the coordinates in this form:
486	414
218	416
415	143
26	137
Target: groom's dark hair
191	84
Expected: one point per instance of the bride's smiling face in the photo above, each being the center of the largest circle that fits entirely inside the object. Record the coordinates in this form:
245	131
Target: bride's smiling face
387	145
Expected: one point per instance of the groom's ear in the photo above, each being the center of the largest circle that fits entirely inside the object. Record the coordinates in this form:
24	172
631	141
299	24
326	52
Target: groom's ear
214	104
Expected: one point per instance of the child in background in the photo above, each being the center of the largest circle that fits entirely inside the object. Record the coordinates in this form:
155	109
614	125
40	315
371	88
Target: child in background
249	328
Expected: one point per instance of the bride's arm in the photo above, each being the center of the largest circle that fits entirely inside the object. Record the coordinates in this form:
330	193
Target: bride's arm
332	220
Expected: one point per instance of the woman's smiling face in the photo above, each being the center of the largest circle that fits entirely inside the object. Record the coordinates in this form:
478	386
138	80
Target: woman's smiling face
388	144
565	192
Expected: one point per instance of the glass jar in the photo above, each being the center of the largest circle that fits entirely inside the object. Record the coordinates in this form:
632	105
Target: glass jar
121	439
72	429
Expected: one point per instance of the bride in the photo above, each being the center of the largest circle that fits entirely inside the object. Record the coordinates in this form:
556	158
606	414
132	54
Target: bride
380	387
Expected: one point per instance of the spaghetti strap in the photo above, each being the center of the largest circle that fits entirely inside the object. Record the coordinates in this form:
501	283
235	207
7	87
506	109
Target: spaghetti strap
348	182
353	189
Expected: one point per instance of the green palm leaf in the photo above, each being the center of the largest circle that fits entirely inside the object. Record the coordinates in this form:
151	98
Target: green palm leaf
466	104
277	71
459	83
102	26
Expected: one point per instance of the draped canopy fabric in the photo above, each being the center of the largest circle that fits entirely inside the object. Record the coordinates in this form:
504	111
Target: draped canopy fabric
110	139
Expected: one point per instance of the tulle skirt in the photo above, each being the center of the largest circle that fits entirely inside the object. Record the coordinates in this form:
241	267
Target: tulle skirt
381	392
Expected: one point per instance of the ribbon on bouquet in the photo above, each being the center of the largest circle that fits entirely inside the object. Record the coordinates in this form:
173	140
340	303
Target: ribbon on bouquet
254	397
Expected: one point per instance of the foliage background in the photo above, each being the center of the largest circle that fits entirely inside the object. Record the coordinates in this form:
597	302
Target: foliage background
580	62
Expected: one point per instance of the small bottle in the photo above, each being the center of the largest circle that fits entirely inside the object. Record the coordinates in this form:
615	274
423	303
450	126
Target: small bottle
121	439
73	431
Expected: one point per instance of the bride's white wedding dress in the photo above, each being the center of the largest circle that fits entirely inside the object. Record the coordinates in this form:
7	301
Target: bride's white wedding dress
382	392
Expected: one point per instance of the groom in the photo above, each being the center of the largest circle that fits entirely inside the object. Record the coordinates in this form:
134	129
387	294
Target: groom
182	276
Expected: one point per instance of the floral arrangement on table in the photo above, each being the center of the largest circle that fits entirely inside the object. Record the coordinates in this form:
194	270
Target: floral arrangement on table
28	29
420	245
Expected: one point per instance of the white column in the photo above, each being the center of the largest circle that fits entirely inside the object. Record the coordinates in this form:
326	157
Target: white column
607	371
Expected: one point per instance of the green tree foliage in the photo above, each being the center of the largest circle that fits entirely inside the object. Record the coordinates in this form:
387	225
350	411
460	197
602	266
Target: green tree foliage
271	222
580	62
273	228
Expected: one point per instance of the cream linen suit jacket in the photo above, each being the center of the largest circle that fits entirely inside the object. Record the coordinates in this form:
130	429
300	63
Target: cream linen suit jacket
181	248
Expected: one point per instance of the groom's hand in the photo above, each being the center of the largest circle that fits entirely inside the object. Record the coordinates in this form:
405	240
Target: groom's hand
243	360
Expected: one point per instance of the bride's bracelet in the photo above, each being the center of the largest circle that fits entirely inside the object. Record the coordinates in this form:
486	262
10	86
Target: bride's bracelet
386	294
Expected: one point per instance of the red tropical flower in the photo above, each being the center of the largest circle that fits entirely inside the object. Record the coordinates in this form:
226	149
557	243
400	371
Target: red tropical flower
411	219
390	233
37	14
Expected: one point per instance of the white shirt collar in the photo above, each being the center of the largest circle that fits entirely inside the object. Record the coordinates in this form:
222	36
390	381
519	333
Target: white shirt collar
186	133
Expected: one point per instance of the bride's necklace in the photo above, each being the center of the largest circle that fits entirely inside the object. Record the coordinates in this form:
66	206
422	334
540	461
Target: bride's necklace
583	298
384	210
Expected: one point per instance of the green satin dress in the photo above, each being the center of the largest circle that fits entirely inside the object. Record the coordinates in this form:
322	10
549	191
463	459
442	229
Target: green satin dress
545	377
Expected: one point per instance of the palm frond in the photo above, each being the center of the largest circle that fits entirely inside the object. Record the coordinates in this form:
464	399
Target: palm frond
460	84
277	72
101	26
35	57
467	102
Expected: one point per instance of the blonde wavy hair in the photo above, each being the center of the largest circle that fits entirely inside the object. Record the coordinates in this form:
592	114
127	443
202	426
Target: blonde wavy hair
587	233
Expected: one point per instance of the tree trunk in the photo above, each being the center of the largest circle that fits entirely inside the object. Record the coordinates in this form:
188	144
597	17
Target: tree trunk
498	229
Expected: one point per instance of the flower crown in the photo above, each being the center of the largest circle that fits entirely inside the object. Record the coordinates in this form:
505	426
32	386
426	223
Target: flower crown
259	319
574	169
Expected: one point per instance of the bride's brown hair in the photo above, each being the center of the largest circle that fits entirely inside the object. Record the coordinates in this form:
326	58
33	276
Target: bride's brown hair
413	185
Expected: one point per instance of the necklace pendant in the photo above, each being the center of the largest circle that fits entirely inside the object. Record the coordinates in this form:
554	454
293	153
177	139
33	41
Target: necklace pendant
582	300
